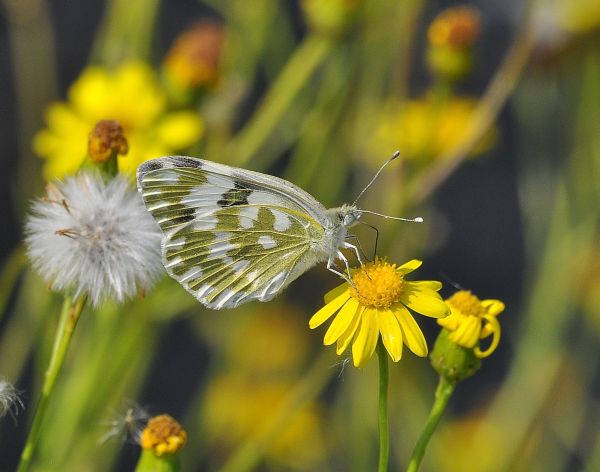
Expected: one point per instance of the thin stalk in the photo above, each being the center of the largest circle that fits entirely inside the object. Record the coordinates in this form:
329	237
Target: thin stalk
282	92
69	317
384	433
442	396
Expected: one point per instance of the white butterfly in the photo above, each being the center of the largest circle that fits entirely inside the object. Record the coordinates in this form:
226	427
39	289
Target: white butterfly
232	235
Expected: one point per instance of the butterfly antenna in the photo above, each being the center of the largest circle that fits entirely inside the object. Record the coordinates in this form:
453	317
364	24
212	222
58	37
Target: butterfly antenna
418	219
396	154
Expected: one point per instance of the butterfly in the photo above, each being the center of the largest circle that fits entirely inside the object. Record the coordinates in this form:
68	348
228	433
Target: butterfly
232	235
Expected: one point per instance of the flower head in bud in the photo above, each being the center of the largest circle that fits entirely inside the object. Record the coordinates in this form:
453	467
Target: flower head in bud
10	402
193	60
331	17
163	435
94	238
471	320
456	27
451	37
379	304
106	140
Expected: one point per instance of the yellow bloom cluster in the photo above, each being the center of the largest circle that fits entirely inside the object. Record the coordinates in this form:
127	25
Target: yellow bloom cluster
130	94
426	129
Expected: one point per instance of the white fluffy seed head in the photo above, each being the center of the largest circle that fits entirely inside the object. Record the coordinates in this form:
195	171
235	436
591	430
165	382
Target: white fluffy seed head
94	238
10	401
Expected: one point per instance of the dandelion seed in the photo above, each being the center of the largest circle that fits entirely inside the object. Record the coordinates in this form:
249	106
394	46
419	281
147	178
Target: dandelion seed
10	401
94	238
378	305
127	424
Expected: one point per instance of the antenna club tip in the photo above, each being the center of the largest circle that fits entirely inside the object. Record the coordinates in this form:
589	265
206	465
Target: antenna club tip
395	155
419	219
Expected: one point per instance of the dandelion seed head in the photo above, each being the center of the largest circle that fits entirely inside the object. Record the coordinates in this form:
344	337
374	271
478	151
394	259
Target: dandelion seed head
94	238
10	401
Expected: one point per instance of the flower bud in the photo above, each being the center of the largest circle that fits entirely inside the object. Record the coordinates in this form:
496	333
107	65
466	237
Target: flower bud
161	439
106	141
451	36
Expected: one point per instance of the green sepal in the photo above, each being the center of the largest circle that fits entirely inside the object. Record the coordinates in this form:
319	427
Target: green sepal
150	462
452	361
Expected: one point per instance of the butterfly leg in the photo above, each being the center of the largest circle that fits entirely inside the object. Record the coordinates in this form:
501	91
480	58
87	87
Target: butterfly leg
360	255
332	268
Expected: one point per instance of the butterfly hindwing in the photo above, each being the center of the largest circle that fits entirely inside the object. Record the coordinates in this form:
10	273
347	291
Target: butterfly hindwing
229	237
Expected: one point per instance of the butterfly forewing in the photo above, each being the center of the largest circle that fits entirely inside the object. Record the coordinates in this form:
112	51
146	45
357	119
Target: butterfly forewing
229	238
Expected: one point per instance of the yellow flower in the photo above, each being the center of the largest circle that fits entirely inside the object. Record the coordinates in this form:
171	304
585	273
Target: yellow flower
130	95
236	408
425	129
377	304
472	319
163	435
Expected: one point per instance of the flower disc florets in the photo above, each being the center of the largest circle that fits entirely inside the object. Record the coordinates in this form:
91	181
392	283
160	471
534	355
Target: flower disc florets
378	284
94	238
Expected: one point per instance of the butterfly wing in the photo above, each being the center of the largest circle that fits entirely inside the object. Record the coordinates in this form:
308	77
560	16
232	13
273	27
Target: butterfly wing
231	235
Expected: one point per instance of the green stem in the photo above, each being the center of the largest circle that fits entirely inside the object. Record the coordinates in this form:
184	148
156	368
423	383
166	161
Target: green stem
69	316
384	433
442	395
290	81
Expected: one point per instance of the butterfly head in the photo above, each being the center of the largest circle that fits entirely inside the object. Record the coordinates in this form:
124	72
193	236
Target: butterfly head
348	215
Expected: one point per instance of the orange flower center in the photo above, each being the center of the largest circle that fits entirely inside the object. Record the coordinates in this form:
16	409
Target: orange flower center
467	304
377	284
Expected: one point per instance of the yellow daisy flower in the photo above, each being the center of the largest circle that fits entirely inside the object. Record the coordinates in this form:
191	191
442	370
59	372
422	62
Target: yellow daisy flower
378	304
131	95
472	319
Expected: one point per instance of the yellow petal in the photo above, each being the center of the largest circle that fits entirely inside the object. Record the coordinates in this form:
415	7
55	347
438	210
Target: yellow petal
467	334
409	266
391	334
493	307
427	284
341	322
413	336
365	342
335	292
179	130
327	311
424	301
344	340
493	326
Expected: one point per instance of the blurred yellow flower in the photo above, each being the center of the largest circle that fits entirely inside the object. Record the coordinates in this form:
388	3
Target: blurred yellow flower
377	304
472	319
426	129
131	95
237	406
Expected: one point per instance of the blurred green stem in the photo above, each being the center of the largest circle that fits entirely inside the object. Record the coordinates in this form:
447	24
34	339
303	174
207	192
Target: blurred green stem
11	270
384	433
442	396
250	453
282	92
69	317
126	32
